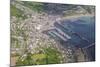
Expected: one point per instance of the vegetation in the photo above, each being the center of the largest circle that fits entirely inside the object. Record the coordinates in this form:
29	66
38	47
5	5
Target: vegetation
52	56
17	13
38	7
27	61
49	56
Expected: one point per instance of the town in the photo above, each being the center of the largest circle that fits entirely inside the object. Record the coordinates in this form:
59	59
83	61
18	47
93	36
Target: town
49	33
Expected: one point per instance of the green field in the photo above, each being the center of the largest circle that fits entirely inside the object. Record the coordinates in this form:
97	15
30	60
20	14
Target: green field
50	56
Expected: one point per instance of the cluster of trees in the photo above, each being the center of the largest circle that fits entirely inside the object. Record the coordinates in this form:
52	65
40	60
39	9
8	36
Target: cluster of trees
49	56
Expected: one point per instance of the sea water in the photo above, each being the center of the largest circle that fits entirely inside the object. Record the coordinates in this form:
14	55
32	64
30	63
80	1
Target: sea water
82	30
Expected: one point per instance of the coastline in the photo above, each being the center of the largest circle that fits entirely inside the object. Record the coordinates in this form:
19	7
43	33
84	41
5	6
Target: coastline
77	16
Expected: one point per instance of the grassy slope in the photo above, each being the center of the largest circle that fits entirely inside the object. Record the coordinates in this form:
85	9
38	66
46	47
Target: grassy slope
38	7
16	12
50	56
